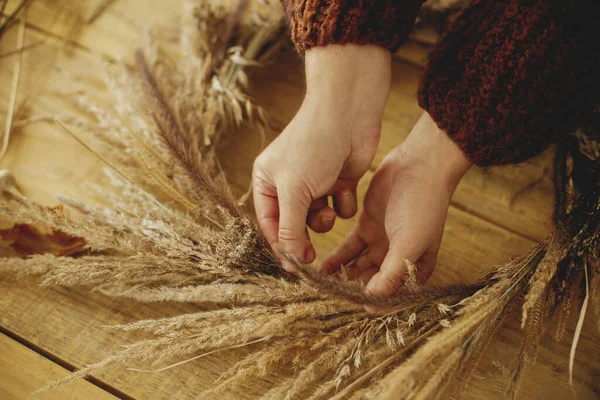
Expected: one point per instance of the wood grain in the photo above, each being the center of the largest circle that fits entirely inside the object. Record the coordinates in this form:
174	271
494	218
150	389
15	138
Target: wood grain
22	371
495	214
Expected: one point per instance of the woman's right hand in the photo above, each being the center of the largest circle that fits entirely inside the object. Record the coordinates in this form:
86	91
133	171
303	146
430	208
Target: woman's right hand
325	150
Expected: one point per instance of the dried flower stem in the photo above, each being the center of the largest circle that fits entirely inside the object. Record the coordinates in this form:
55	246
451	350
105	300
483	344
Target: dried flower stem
14	86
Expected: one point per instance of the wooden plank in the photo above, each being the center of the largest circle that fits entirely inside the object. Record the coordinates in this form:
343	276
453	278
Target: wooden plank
413	53
117	30
114	34
63	321
425	34
22	371
548	378
71	325
49	79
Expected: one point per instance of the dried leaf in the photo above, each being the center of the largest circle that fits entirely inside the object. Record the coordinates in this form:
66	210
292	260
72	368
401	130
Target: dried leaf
27	240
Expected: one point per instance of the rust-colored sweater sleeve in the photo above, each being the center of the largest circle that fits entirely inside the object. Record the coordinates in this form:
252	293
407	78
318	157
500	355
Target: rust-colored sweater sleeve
386	23
511	77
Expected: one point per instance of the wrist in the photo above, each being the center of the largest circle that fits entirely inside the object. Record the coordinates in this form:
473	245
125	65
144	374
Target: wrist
352	79
438	152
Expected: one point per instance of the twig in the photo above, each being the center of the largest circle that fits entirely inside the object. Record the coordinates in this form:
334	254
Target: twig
12	16
230	24
14	89
383	365
364	378
108	162
45	118
98	11
3	7
200	356
579	325
253	48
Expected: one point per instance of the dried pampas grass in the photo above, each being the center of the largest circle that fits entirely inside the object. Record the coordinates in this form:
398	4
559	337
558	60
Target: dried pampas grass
171	230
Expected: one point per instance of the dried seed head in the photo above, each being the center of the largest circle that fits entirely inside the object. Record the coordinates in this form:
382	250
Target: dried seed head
445	323
412	319
444	309
400	337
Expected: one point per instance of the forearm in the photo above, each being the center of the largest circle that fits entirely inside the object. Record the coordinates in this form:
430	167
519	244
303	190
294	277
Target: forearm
431	146
509	78
349	83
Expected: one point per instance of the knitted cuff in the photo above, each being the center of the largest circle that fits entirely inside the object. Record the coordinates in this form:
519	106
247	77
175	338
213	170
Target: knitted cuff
510	77
386	23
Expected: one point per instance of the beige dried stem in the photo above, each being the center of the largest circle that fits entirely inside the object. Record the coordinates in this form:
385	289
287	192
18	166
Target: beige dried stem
14	87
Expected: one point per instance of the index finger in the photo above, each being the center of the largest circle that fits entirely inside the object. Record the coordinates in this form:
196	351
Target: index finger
267	214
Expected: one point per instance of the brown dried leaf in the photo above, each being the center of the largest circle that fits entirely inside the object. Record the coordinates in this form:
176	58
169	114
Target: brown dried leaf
27	240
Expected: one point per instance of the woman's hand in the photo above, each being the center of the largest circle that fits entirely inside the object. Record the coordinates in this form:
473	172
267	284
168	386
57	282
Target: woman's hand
325	150
404	212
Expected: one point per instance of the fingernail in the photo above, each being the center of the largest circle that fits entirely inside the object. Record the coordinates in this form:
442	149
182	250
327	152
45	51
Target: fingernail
288	262
286	266
327	219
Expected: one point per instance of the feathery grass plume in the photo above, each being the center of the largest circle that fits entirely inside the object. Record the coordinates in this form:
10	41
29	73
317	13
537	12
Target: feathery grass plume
539	282
170	229
563	313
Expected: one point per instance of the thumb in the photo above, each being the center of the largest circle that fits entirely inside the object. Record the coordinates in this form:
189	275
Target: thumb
390	277
292	233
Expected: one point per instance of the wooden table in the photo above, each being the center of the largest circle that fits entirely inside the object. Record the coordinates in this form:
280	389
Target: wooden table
45	332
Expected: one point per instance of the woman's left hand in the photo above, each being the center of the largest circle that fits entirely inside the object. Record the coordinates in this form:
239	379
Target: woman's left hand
404	212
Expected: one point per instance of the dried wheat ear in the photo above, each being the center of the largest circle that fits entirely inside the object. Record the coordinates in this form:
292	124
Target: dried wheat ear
172	230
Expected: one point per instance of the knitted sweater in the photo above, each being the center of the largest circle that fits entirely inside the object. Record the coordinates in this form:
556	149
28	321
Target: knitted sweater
506	80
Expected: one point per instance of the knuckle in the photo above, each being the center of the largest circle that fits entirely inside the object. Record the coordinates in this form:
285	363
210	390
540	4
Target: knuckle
287	235
259	162
259	167
394	281
298	193
260	179
259	182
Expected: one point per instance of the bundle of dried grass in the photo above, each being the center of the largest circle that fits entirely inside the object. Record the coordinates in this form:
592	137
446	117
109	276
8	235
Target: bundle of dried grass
178	234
